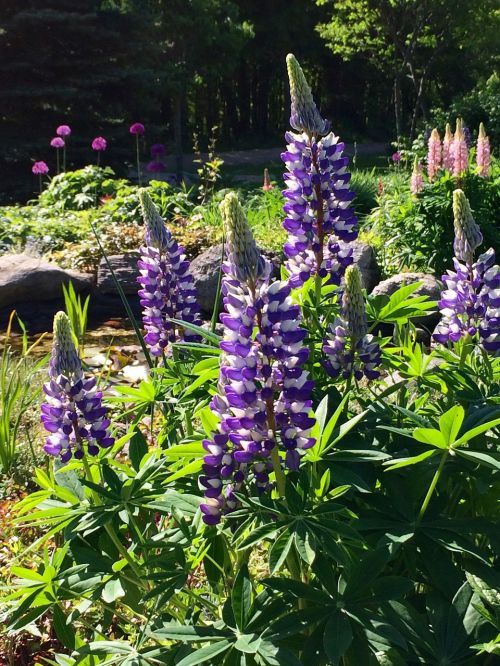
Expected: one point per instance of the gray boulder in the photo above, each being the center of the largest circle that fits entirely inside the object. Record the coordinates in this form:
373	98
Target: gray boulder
430	287
365	259
24	278
125	270
205	272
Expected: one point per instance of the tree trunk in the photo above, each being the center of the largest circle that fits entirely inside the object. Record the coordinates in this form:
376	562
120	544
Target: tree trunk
179	158
397	105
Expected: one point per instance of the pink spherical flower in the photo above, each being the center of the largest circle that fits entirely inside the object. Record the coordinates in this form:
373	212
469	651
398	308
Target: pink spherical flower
155	166
137	128
396	157
157	150
99	143
63	130
40	168
57	142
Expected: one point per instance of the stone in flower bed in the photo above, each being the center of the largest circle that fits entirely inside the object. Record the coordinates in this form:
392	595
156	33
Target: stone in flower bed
125	270
26	279
430	287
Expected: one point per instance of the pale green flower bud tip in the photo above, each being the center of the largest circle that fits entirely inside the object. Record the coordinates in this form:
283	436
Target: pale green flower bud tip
482	131
304	116
63	332
353	279
242	250
156	232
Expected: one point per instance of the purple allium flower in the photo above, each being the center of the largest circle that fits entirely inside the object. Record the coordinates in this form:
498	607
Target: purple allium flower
63	130
167	288
460	151
157	150
434	154
350	349
470	304
40	168
448	149
57	142
417	178
396	157
483	154
137	128
73	411
155	166
99	144
264	394
317	198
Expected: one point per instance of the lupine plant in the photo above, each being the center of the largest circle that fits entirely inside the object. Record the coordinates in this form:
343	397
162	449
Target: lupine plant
329	494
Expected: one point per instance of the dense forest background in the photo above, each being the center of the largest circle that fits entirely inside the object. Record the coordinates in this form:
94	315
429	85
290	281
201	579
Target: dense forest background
379	68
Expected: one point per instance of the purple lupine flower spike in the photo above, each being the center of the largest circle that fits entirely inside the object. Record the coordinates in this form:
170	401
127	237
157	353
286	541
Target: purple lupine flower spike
264	394
350	349
470	303
73	411
319	219
168	290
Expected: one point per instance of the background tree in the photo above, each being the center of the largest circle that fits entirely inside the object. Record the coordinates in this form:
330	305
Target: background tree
411	39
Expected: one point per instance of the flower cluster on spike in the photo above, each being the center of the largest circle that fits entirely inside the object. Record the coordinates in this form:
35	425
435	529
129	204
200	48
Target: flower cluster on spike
73	413
349	348
264	393
483	155
448	149
433	154
167	289
470	304
460	151
317	194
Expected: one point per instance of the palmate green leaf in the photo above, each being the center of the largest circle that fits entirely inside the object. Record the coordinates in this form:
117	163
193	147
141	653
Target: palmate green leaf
489	459
405	462
337	636
112	591
478	430
263	531
241	597
450	423
193	449
279	551
430	436
190	469
206	653
305	543
187	633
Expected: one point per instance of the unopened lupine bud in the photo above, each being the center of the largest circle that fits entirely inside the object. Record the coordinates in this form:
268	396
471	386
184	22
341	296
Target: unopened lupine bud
448	149
483	155
64	358
156	234
73	413
243	254
434	154
460	150
468	236
353	303
304	116
417	179
267	185
349	348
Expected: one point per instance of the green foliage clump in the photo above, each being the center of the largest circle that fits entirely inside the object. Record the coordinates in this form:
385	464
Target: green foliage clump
416	232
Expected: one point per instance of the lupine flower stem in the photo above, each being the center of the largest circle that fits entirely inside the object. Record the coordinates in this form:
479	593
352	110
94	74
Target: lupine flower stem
138	159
